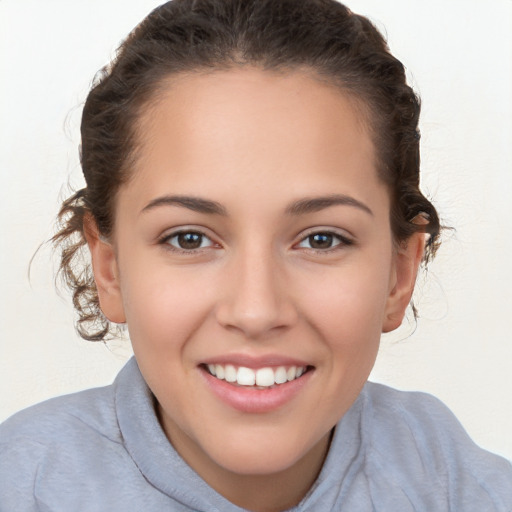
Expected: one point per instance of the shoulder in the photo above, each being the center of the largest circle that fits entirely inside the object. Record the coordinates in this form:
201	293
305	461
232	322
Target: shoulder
418	413
48	438
57	419
416	437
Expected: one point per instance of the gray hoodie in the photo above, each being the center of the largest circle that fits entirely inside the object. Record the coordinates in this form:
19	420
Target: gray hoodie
104	450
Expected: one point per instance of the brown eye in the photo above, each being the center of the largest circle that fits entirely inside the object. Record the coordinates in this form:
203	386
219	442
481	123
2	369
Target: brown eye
324	240
188	241
321	241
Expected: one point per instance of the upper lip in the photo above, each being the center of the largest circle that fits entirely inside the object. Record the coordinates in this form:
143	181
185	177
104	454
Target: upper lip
250	361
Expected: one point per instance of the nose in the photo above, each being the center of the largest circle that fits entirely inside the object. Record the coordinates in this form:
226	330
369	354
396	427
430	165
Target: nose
256	300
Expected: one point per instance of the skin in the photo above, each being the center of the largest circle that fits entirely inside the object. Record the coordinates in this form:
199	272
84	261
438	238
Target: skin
255	143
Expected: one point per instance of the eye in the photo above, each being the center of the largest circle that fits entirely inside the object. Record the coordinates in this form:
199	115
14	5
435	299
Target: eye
187	240
323	240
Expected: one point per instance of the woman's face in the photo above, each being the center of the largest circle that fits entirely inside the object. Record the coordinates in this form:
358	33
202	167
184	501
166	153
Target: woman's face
253	244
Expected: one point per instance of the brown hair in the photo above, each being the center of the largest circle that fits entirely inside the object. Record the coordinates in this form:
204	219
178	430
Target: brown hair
322	36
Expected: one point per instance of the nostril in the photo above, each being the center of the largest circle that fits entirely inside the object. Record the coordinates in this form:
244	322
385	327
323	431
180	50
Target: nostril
254	320
255	299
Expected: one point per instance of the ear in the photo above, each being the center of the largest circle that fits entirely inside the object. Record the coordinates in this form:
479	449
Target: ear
407	261
106	274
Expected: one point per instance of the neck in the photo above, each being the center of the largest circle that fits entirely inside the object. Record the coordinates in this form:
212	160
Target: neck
275	492
272	492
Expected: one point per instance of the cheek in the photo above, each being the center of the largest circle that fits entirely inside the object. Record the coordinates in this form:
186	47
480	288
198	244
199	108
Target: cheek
164	306
348	306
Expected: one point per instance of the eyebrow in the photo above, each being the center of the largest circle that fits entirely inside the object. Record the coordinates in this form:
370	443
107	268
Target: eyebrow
195	204
301	207
315	204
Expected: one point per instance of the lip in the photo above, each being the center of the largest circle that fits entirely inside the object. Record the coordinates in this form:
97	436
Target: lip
248	399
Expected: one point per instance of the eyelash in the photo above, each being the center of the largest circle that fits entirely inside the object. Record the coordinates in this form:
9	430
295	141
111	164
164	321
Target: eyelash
166	240
342	241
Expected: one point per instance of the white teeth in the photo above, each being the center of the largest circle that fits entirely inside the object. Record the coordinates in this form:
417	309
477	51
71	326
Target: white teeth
246	376
230	373
280	377
263	377
219	371
291	373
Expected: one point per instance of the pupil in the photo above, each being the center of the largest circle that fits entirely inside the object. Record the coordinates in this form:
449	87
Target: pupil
189	240
320	241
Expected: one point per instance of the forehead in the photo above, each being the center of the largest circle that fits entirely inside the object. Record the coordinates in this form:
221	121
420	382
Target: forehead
260	126
256	99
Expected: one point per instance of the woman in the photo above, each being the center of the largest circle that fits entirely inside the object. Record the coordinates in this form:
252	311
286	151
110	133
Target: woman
254	217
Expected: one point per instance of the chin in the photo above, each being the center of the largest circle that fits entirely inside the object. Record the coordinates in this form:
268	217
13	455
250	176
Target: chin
254	464
265	456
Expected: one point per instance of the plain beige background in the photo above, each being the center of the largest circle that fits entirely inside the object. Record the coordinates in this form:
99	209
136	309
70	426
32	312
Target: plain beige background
459	58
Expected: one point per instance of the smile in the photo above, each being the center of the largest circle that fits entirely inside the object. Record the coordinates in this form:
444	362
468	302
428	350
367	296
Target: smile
263	378
256	386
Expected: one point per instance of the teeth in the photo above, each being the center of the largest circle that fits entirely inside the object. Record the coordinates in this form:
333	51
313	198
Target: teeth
230	373
219	371
246	377
263	377
281	377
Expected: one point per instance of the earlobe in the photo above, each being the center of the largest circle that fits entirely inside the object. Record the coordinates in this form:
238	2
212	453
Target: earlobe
407	261
106	275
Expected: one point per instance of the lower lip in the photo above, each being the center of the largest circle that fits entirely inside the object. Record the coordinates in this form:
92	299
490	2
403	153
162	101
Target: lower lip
252	400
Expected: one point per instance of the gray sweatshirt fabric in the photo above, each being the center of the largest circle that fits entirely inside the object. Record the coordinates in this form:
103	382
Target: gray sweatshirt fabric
104	450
